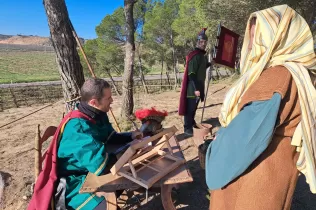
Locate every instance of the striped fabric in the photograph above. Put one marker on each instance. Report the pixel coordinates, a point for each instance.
(282, 37)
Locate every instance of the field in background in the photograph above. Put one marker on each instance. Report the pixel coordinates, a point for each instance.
(17, 66)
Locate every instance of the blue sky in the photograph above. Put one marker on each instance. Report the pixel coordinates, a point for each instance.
(28, 17)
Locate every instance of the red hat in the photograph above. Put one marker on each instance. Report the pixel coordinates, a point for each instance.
(146, 114)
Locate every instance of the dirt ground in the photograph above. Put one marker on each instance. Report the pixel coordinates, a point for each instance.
(17, 154)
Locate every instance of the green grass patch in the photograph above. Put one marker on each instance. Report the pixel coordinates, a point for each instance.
(27, 66)
(17, 67)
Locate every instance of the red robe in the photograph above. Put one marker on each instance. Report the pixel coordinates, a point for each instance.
(183, 94)
(46, 183)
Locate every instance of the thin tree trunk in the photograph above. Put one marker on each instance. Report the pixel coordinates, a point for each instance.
(174, 61)
(168, 79)
(142, 78)
(113, 82)
(178, 72)
(64, 43)
(161, 73)
(128, 101)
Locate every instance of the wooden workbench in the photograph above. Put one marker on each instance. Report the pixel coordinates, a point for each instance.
(112, 183)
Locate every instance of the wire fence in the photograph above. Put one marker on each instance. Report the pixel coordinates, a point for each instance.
(30, 94)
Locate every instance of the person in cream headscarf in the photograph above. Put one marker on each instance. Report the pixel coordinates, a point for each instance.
(268, 117)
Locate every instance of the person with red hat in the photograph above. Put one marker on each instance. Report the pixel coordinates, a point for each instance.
(193, 83)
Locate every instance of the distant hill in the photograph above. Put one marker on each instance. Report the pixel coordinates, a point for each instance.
(28, 40)
(4, 36)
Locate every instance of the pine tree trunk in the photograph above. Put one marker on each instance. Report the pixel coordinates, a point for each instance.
(64, 43)
(128, 101)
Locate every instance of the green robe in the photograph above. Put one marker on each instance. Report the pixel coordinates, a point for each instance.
(197, 74)
(82, 149)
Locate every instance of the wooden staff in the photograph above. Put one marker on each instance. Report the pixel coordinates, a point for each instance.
(81, 49)
(208, 84)
(117, 126)
(89, 66)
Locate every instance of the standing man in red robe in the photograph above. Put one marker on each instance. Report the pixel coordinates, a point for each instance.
(193, 83)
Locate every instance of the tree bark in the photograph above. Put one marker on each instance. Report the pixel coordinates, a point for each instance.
(128, 101)
(64, 43)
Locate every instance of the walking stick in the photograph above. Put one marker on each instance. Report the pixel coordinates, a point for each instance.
(90, 68)
(208, 84)
(81, 49)
(117, 126)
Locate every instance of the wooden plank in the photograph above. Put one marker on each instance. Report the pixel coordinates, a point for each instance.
(173, 129)
(161, 173)
(110, 182)
(145, 156)
(151, 167)
(163, 141)
(167, 170)
(138, 180)
(145, 165)
(165, 154)
(139, 159)
(169, 147)
(122, 161)
(158, 158)
(132, 169)
(142, 151)
(131, 150)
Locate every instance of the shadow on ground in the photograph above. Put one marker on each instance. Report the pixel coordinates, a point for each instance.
(303, 199)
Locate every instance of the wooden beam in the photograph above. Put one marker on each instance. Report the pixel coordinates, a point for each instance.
(132, 169)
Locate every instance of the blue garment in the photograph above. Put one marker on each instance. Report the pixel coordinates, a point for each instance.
(241, 142)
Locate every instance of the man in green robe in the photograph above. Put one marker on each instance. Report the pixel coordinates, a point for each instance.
(83, 145)
(194, 82)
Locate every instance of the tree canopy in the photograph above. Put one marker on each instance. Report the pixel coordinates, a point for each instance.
(166, 30)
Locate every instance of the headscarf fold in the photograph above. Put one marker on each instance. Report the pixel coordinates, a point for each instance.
(282, 37)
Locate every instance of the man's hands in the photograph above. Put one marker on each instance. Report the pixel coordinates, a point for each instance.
(137, 135)
(197, 93)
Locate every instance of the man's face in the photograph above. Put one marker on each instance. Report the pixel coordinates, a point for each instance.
(202, 44)
(105, 102)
